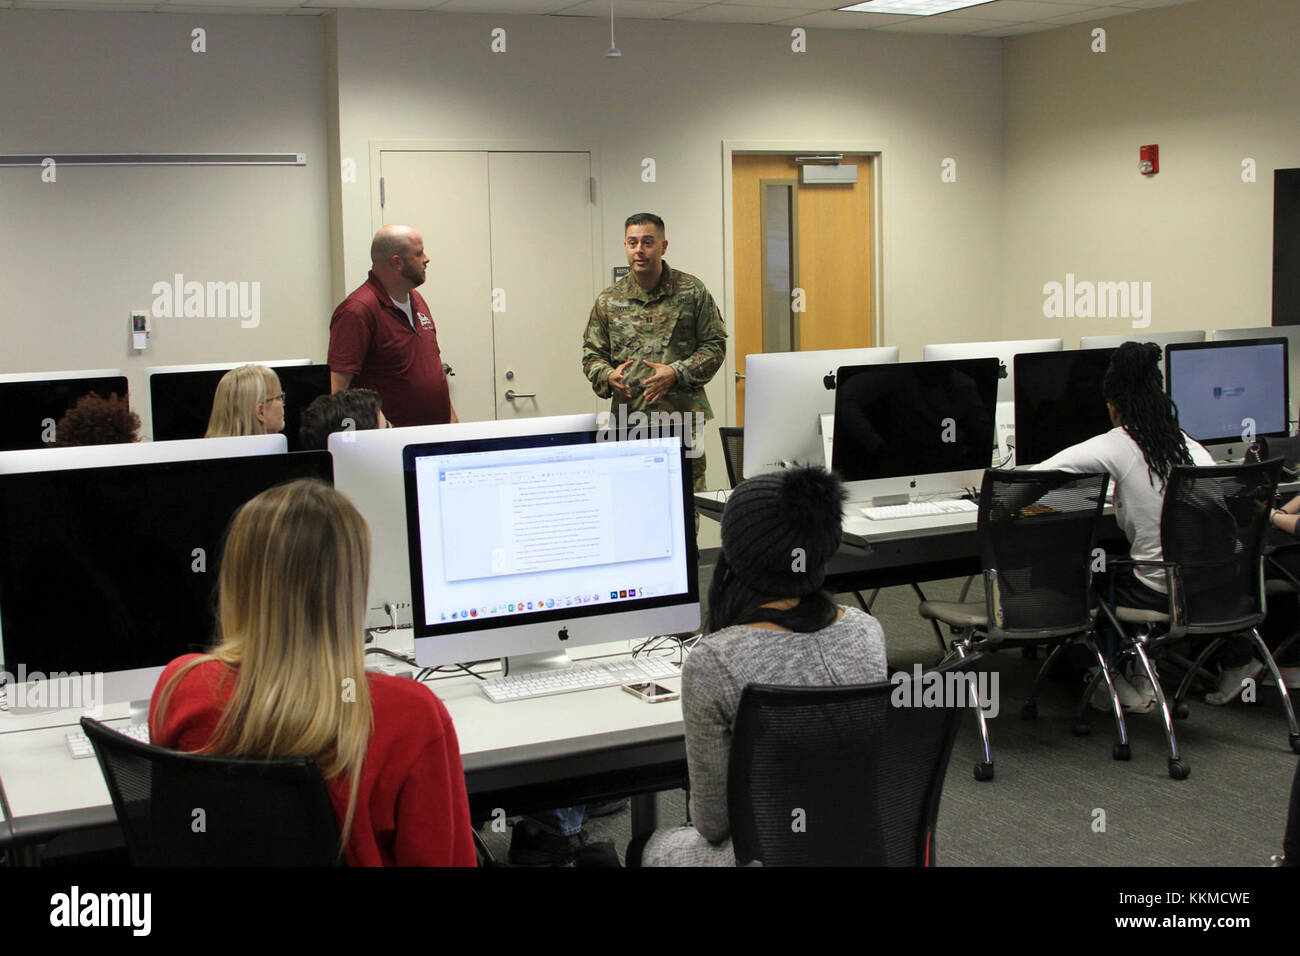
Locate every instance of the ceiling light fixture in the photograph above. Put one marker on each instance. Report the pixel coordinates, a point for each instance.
(613, 52)
(915, 8)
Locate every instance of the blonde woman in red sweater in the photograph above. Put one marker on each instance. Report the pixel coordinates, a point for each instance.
(288, 678)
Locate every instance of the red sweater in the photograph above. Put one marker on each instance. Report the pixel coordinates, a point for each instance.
(411, 806)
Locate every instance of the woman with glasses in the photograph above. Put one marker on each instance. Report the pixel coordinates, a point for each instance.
(249, 401)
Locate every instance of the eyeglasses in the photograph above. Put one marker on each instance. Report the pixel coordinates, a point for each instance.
(277, 398)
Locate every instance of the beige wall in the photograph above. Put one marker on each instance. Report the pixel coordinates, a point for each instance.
(678, 92)
(80, 253)
(1211, 83)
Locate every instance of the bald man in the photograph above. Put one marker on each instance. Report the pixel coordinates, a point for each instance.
(382, 335)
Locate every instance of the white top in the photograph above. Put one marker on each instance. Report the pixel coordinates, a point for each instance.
(405, 307)
(1138, 500)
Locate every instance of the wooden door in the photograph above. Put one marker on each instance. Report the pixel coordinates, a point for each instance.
(830, 243)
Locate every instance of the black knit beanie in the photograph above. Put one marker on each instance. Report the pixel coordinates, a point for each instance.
(780, 529)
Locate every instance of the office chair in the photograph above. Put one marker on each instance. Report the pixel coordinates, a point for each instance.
(733, 453)
(841, 776)
(1212, 529)
(179, 809)
(1037, 530)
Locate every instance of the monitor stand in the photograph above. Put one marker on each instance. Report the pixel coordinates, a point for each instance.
(140, 711)
(535, 663)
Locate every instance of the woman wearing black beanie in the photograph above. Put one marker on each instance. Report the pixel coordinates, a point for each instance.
(771, 623)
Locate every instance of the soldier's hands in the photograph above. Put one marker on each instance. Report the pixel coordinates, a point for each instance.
(616, 379)
(664, 378)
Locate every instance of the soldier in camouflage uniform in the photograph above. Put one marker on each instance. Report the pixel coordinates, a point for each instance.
(655, 338)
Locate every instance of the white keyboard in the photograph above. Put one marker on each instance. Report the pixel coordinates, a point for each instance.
(921, 509)
(587, 675)
(80, 747)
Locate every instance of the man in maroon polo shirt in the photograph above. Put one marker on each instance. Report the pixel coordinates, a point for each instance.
(382, 335)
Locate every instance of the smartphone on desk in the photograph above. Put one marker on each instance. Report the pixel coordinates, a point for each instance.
(650, 692)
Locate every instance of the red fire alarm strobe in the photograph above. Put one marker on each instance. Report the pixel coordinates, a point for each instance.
(1148, 160)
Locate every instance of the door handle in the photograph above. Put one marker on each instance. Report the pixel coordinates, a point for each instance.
(511, 394)
(740, 376)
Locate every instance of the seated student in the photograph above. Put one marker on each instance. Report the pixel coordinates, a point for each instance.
(97, 421)
(249, 401)
(288, 678)
(1139, 453)
(355, 409)
(771, 623)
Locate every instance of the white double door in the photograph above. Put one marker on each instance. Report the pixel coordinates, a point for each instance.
(512, 239)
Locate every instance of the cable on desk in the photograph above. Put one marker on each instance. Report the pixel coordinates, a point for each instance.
(387, 653)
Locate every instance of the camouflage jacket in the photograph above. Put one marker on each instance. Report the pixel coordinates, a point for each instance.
(676, 323)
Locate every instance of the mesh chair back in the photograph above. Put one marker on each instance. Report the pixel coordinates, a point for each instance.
(840, 776)
(733, 452)
(1037, 530)
(179, 809)
(1212, 528)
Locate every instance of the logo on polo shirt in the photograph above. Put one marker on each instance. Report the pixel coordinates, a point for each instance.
(425, 321)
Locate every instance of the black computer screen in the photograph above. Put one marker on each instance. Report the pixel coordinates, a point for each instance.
(110, 569)
(1226, 390)
(32, 408)
(181, 402)
(1059, 401)
(914, 418)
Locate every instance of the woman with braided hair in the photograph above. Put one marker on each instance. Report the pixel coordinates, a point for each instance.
(1140, 452)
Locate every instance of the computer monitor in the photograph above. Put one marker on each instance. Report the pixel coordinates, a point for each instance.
(112, 570)
(1159, 338)
(786, 395)
(1292, 334)
(1059, 401)
(1227, 391)
(138, 453)
(33, 402)
(180, 396)
(368, 469)
(1005, 352)
(525, 547)
(914, 429)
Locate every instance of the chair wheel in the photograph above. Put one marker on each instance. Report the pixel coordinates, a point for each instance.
(1029, 653)
(1029, 711)
(983, 771)
(1121, 752)
(1081, 728)
(1180, 710)
(1178, 770)
(1295, 743)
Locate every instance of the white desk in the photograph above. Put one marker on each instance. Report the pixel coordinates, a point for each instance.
(519, 756)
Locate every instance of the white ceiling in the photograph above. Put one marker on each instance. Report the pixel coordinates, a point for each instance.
(996, 18)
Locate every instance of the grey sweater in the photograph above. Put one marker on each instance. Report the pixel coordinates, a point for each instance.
(850, 651)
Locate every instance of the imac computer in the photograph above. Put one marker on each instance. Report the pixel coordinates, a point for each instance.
(138, 453)
(1059, 401)
(111, 571)
(524, 547)
(1227, 392)
(786, 393)
(368, 469)
(914, 429)
(33, 402)
(1004, 352)
(1292, 335)
(1159, 338)
(180, 396)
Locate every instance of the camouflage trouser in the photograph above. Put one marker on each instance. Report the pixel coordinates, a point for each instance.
(697, 472)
